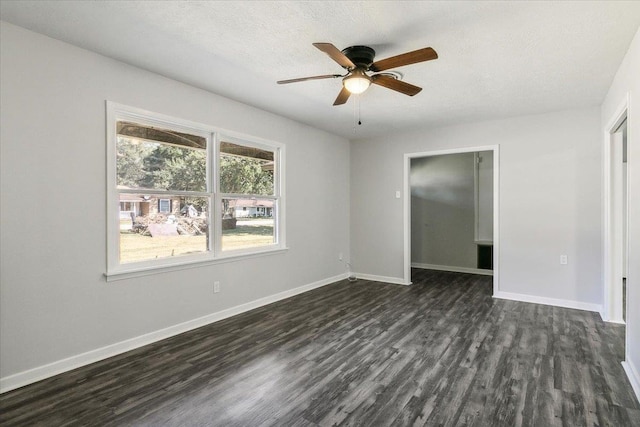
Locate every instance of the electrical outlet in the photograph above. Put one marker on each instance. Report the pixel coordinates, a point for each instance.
(340, 256)
(216, 287)
(564, 260)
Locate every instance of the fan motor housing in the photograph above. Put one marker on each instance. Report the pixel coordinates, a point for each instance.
(361, 56)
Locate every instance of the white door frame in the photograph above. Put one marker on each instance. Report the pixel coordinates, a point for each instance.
(496, 206)
(612, 230)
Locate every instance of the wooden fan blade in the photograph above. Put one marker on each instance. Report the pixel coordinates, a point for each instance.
(342, 96)
(394, 84)
(420, 55)
(335, 54)
(302, 79)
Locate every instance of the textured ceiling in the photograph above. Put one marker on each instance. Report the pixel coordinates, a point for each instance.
(497, 59)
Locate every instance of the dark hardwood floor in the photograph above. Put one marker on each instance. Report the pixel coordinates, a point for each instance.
(439, 352)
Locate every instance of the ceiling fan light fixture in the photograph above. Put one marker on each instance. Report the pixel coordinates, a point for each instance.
(356, 82)
(359, 60)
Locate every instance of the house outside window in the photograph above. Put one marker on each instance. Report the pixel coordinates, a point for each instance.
(169, 177)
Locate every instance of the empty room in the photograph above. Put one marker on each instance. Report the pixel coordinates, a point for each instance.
(336, 213)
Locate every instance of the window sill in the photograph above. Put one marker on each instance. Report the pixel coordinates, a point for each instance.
(132, 272)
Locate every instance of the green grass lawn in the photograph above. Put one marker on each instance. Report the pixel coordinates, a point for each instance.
(135, 247)
(244, 236)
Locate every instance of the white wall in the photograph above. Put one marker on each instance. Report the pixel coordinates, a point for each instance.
(550, 189)
(443, 211)
(627, 81)
(55, 302)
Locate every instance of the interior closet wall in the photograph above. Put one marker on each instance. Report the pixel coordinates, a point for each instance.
(443, 211)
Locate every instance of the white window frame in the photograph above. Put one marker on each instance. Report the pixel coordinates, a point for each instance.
(115, 270)
(278, 152)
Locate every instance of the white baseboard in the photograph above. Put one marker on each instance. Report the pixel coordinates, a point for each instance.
(452, 268)
(42, 372)
(633, 375)
(578, 305)
(604, 318)
(385, 279)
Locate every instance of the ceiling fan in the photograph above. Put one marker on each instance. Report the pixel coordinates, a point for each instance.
(358, 60)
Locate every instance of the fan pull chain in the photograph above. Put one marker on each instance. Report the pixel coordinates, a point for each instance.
(355, 114)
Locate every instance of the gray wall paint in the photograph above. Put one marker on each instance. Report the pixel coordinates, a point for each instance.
(485, 196)
(626, 83)
(55, 302)
(550, 200)
(442, 210)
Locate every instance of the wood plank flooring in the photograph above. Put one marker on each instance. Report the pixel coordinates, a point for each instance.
(441, 352)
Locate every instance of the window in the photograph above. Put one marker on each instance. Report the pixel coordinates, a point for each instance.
(247, 183)
(169, 177)
(164, 205)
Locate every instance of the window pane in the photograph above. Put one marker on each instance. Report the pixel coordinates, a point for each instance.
(247, 223)
(246, 170)
(152, 227)
(161, 159)
(164, 205)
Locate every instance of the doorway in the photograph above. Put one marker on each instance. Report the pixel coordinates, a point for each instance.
(616, 218)
(490, 153)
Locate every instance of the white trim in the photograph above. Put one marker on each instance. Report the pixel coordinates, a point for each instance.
(215, 232)
(633, 375)
(496, 206)
(609, 313)
(452, 268)
(578, 305)
(42, 372)
(384, 279)
(184, 265)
